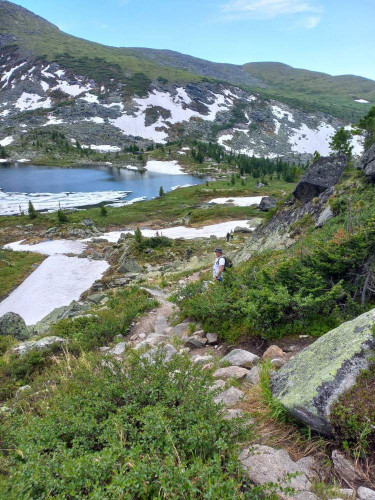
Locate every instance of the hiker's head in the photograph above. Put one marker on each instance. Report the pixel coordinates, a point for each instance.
(218, 252)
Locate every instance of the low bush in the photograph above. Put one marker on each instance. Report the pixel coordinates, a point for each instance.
(140, 431)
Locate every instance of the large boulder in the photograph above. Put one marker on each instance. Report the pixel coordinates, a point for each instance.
(12, 324)
(322, 174)
(64, 312)
(130, 266)
(309, 384)
(38, 345)
(368, 163)
(267, 203)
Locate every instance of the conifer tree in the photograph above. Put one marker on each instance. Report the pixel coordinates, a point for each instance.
(33, 214)
(161, 192)
(340, 142)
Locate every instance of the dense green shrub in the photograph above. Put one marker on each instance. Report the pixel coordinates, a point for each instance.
(154, 242)
(141, 431)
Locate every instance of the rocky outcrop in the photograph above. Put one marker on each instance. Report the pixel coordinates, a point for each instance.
(12, 324)
(322, 175)
(368, 163)
(64, 312)
(311, 382)
(38, 345)
(266, 203)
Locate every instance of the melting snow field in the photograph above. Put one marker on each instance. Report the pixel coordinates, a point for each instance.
(10, 203)
(164, 167)
(245, 201)
(55, 283)
(220, 230)
(51, 247)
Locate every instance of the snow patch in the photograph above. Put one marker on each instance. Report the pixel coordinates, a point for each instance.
(307, 140)
(90, 98)
(51, 247)
(44, 85)
(363, 101)
(7, 75)
(94, 119)
(239, 201)
(53, 121)
(28, 102)
(164, 167)
(281, 113)
(8, 140)
(71, 89)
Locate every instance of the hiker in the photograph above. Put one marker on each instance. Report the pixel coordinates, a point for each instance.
(219, 265)
(228, 237)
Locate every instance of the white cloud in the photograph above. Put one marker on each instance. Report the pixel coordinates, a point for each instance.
(310, 22)
(267, 9)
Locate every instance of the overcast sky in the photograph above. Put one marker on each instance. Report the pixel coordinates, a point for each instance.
(332, 36)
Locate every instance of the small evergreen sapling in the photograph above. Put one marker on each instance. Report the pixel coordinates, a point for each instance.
(161, 192)
(33, 214)
(103, 210)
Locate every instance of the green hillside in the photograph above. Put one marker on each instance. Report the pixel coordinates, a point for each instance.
(36, 37)
(312, 90)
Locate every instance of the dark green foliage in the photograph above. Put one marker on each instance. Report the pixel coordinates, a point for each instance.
(340, 142)
(61, 216)
(3, 153)
(138, 430)
(103, 210)
(367, 124)
(138, 236)
(138, 84)
(33, 214)
(161, 192)
(154, 242)
(274, 294)
(353, 416)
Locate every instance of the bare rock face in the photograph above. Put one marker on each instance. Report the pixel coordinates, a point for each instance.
(368, 163)
(268, 465)
(322, 174)
(309, 384)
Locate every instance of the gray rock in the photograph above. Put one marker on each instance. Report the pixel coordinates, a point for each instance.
(152, 341)
(242, 229)
(231, 372)
(278, 362)
(368, 163)
(312, 381)
(345, 469)
(182, 328)
(130, 266)
(218, 384)
(22, 390)
(324, 216)
(266, 203)
(201, 360)
(321, 175)
(119, 349)
(87, 222)
(365, 493)
(212, 338)
(38, 345)
(347, 492)
(12, 324)
(70, 311)
(96, 298)
(231, 413)
(268, 465)
(253, 377)
(240, 357)
(305, 495)
(230, 397)
(195, 342)
(167, 351)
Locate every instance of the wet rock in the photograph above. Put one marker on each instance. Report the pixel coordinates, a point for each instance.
(12, 324)
(267, 203)
(321, 175)
(38, 345)
(230, 397)
(231, 372)
(268, 465)
(310, 383)
(240, 357)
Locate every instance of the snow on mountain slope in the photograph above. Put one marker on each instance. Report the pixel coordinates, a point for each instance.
(37, 94)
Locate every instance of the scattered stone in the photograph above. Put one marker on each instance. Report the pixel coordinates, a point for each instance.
(231, 372)
(308, 385)
(345, 468)
(268, 465)
(218, 384)
(13, 324)
(365, 493)
(253, 377)
(195, 342)
(96, 298)
(104, 349)
(87, 222)
(167, 351)
(324, 216)
(230, 397)
(151, 341)
(267, 203)
(200, 360)
(240, 357)
(278, 362)
(242, 229)
(260, 185)
(233, 413)
(212, 338)
(38, 345)
(182, 328)
(119, 349)
(273, 352)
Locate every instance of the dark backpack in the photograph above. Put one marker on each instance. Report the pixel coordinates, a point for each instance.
(228, 263)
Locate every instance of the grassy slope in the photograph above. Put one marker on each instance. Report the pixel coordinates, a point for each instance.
(45, 40)
(14, 267)
(315, 91)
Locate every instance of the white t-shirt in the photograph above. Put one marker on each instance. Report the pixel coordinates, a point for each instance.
(220, 261)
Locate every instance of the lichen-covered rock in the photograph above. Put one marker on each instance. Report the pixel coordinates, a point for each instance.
(64, 312)
(130, 266)
(322, 174)
(38, 345)
(12, 324)
(368, 163)
(311, 382)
